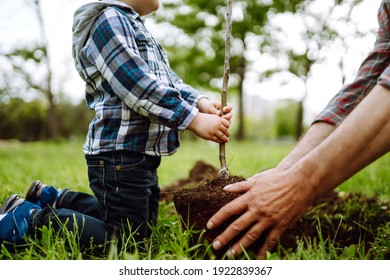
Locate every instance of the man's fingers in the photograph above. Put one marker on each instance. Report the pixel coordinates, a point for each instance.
(235, 228)
(270, 242)
(248, 239)
(233, 208)
(239, 187)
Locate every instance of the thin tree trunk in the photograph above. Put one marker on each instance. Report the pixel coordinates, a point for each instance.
(52, 116)
(223, 172)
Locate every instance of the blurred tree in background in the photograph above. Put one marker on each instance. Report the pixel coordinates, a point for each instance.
(26, 120)
(22, 120)
(32, 66)
(321, 26)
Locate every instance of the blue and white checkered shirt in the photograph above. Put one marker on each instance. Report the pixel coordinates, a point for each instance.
(140, 103)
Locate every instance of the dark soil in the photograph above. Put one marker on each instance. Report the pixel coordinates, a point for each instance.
(343, 220)
(197, 174)
(197, 205)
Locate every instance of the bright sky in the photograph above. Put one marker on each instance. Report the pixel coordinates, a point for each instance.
(19, 28)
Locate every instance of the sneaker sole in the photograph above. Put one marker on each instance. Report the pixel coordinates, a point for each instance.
(12, 202)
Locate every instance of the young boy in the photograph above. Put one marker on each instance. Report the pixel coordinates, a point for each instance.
(140, 105)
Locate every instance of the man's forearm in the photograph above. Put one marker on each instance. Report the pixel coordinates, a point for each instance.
(363, 137)
(317, 133)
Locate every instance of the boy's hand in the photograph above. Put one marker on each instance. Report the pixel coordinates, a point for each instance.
(210, 127)
(213, 107)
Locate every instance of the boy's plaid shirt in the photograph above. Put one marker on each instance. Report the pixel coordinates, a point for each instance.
(140, 103)
(374, 70)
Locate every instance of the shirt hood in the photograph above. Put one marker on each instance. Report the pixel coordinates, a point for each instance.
(83, 19)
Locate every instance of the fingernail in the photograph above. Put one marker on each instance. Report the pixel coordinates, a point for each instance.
(228, 187)
(231, 253)
(216, 245)
(210, 225)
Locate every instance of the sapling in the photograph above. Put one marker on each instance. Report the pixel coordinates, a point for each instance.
(223, 172)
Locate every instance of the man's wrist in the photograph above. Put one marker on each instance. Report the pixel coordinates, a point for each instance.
(307, 180)
(284, 165)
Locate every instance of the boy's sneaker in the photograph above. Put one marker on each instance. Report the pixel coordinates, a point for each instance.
(42, 194)
(14, 215)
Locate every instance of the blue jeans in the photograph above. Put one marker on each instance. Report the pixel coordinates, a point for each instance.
(126, 200)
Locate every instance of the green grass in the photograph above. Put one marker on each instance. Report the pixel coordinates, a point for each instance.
(62, 164)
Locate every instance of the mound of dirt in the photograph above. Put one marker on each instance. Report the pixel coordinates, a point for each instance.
(197, 174)
(343, 219)
(197, 205)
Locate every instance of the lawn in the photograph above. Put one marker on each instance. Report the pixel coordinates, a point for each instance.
(62, 164)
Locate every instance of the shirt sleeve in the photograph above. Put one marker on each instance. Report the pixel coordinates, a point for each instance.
(116, 55)
(374, 70)
(384, 40)
(189, 94)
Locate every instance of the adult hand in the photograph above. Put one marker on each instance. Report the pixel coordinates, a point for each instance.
(271, 202)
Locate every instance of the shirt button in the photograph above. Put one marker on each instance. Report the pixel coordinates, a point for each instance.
(118, 167)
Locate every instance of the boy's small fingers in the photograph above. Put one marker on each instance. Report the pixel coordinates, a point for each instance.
(225, 123)
(224, 131)
(227, 108)
(215, 139)
(222, 137)
(214, 112)
(228, 117)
